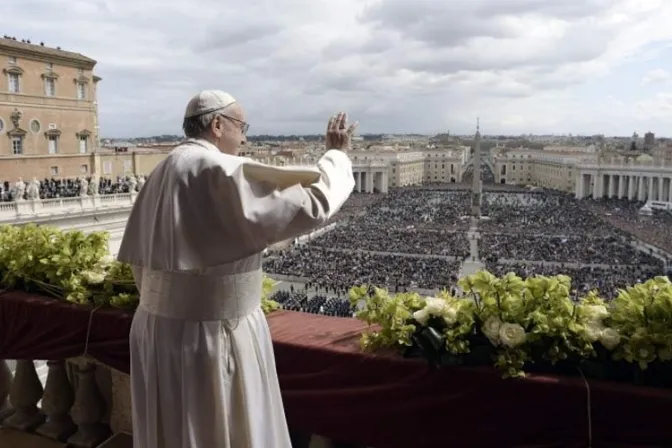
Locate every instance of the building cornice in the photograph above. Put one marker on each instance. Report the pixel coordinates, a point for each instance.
(52, 133)
(45, 54)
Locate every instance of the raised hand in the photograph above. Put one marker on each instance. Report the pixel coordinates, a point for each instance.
(339, 135)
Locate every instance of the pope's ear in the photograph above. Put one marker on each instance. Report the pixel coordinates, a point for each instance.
(217, 125)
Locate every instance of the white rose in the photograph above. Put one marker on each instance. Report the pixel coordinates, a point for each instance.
(450, 315)
(422, 316)
(594, 331)
(93, 277)
(435, 307)
(596, 312)
(491, 329)
(106, 260)
(610, 338)
(512, 335)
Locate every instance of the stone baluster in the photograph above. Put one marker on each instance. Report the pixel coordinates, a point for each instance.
(88, 410)
(57, 400)
(5, 384)
(24, 394)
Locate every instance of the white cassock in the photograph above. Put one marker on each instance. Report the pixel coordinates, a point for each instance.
(202, 365)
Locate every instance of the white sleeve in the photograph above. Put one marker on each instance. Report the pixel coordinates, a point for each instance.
(266, 214)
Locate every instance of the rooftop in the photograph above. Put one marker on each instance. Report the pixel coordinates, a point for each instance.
(26, 47)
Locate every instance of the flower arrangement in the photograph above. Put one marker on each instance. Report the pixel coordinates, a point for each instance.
(519, 324)
(73, 266)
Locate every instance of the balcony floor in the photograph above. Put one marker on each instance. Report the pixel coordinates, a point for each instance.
(17, 439)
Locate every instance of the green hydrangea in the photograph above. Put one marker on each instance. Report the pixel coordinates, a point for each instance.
(73, 266)
(525, 321)
(642, 315)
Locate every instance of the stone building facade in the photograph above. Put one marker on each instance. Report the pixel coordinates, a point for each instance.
(48, 111)
(585, 172)
(413, 167)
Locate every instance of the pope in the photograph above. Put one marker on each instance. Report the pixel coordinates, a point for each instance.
(202, 365)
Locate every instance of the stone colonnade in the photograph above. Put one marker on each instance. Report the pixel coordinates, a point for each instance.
(370, 180)
(641, 186)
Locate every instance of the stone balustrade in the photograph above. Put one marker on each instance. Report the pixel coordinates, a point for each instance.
(82, 403)
(28, 210)
(655, 165)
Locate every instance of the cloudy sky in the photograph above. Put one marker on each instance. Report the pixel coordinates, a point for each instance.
(523, 66)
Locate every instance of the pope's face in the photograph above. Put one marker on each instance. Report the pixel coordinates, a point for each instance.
(229, 129)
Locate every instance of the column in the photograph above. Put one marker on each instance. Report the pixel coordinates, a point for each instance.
(661, 195)
(612, 185)
(579, 187)
(358, 181)
(641, 191)
(369, 182)
(631, 187)
(597, 186)
(621, 186)
(669, 194)
(384, 183)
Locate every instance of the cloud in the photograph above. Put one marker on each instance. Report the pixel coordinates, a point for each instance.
(656, 76)
(660, 105)
(395, 65)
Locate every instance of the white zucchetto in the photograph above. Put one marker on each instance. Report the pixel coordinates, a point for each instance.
(208, 101)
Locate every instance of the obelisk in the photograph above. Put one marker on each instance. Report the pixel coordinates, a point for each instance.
(477, 187)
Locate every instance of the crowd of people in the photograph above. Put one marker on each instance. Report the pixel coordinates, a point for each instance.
(315, 304)
(539, 212)
(356, 204)
(406, 241)
(624, 215)
(487, 176)
(52, 188)
(610, 250)
(338, 271)
(417, 237)
(415, 208)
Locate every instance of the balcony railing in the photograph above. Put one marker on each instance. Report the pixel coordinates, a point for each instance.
(71, 406)
(328, 387)
(80, 401)
(43, 208)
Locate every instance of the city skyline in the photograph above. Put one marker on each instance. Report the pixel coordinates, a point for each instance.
(581, 67)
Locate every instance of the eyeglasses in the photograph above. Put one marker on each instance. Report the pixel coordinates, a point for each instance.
(243, 125)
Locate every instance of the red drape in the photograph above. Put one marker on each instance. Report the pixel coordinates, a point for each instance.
(330, 388)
